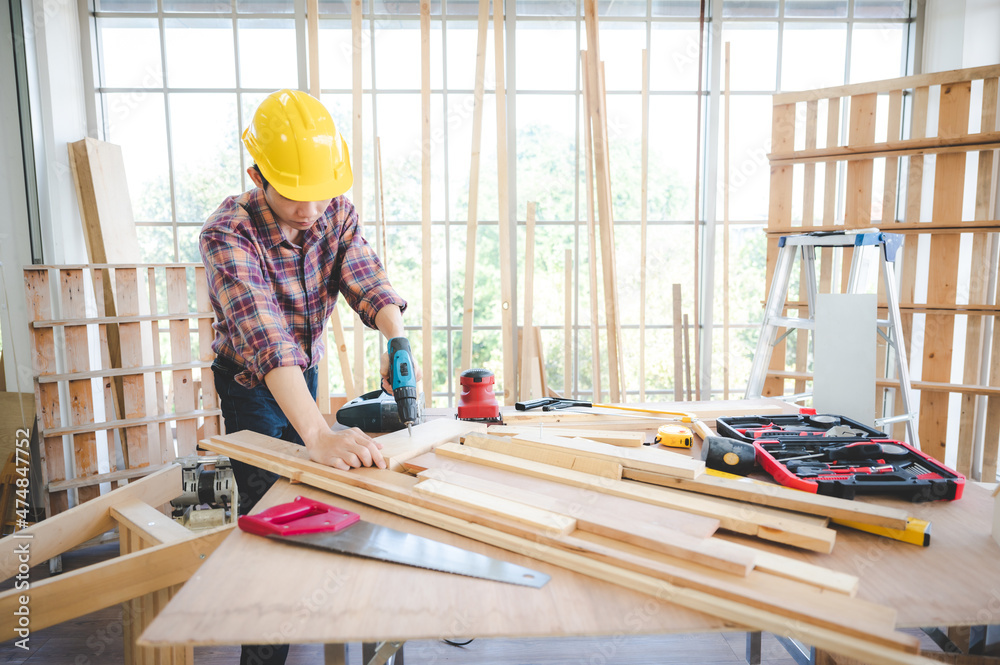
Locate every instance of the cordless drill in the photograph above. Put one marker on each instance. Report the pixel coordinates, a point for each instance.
(404, 383)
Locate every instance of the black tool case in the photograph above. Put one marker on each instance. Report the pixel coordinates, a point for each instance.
(836, 456)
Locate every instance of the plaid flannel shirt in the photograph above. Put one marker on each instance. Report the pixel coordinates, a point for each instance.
(272, 298)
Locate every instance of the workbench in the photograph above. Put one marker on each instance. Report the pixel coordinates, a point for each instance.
(304, 596)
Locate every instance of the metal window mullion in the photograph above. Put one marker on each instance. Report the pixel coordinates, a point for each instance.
(850, 41)
(781, 44)
(169, 131)
(301, 51)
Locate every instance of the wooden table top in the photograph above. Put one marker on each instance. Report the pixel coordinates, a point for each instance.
(252, 590)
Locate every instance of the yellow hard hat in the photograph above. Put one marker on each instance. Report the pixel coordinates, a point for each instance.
(297, 147)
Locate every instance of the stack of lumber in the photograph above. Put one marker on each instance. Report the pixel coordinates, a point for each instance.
(574, 511)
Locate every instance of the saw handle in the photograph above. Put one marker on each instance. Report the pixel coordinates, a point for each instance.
(297, 517)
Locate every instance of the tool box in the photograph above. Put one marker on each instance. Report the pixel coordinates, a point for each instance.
(836, 456)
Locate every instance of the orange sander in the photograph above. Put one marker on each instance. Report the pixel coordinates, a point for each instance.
(477, 401)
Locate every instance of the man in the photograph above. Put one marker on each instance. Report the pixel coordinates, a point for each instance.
(276, 259)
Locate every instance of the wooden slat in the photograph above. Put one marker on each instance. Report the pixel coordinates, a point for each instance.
(530, 379)
(357, 188)
(538, 518)
(760, 522)
(503, 212)
(809, 172)
(182, 381)
(648, 459)
(161, 400)
(678, 328)
(81, 394)
(887, 85)
(712, 552)
(566, 460)
(892, 163)
(643, 207)
(830, 170)
(625, 439)
(568, 291)
(153, 527)
(472, 219)
(137, 439)
(858, 204)
(398, 447)
(949, 179)
(869, 150)
(595, 343)
(206, 335)
(598, 122)
(43, 360)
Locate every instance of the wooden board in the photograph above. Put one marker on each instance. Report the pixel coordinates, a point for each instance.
(623, 439)
(761, 522)
(566, 460)
(509, 379)
(182, 381)
(646, 459)
(427, 357)
(595, 329)
(397, 447)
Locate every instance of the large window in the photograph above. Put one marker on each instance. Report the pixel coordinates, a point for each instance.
(177, 80)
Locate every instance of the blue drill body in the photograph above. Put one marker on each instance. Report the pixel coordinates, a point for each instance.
(404, 381)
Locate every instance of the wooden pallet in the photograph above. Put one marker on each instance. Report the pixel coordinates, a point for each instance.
(168, 390)
(952, 119)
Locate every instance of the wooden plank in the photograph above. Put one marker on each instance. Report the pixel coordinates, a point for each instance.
(530, 379)
(985, 199)
(888, 85)
(624, 439)
(134, 393)
(130, 422)
(425, 201)
(472, 218)
(712, 552)
(400, 446)
(79, 592)
(889, 149)
(949, 179)
(678, 345)
(725, 226)
(112, 386)
(689, 396)
(538, 518)
(165, 434)
(566, 460)
(506, 278)
(182, 382)
(775, 496)
(646, 459)
(808, 218)
(110, 477)
(206, 335)
(81, 395)
(643, 208)
(830, 170)
(861, 128)
(595, 327)
(568, 292)
(557, 496)
(870, 626)
(760, 523)
(598, 123)
(60, 532)
(891, 179)
(152, 526)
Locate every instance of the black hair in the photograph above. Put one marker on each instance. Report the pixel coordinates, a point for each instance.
(262, 178)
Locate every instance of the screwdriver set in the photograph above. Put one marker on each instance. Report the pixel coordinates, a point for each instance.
(837, 456)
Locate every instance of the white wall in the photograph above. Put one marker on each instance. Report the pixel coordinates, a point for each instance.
(961, 33)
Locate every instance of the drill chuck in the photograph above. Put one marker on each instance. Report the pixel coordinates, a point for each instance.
(404, 382)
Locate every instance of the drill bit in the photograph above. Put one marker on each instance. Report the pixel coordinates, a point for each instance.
(409, 428)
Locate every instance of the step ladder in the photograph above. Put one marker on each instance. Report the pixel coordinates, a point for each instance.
(865, 242)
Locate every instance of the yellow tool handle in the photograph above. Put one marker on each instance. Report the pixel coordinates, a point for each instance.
(685, 417)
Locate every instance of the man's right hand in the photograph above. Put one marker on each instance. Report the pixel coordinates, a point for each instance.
(345, 449)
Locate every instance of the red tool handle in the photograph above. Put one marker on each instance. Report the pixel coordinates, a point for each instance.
(296, 517)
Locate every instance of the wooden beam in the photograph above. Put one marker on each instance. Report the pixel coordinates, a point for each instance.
(595, 312)
(776, 496)
(761, 522)
(79, 592)
(472, 220)
(598, 122)
(65, 530)
(725, 231)
(427, 262)
(624, 439)
(678, 325)
(648, 459)
(566, 460)
(643, 209)
(568, 291)
(152, 526)
(357, 189)
(506, 276)
(530, 383)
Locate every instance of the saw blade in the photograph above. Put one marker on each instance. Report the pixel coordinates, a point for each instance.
(373, 541)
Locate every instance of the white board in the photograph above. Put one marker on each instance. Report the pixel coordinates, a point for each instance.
(844, 355)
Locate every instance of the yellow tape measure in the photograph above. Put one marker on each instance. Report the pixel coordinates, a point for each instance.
(674, 436)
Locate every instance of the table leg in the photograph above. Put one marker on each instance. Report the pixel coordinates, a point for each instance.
(335, 654)
(753, 648)
(382, 653)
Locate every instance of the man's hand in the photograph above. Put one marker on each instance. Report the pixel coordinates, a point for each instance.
(345, 449)
(387, 380)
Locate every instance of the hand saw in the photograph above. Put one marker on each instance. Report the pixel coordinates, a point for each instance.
(322, 526)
